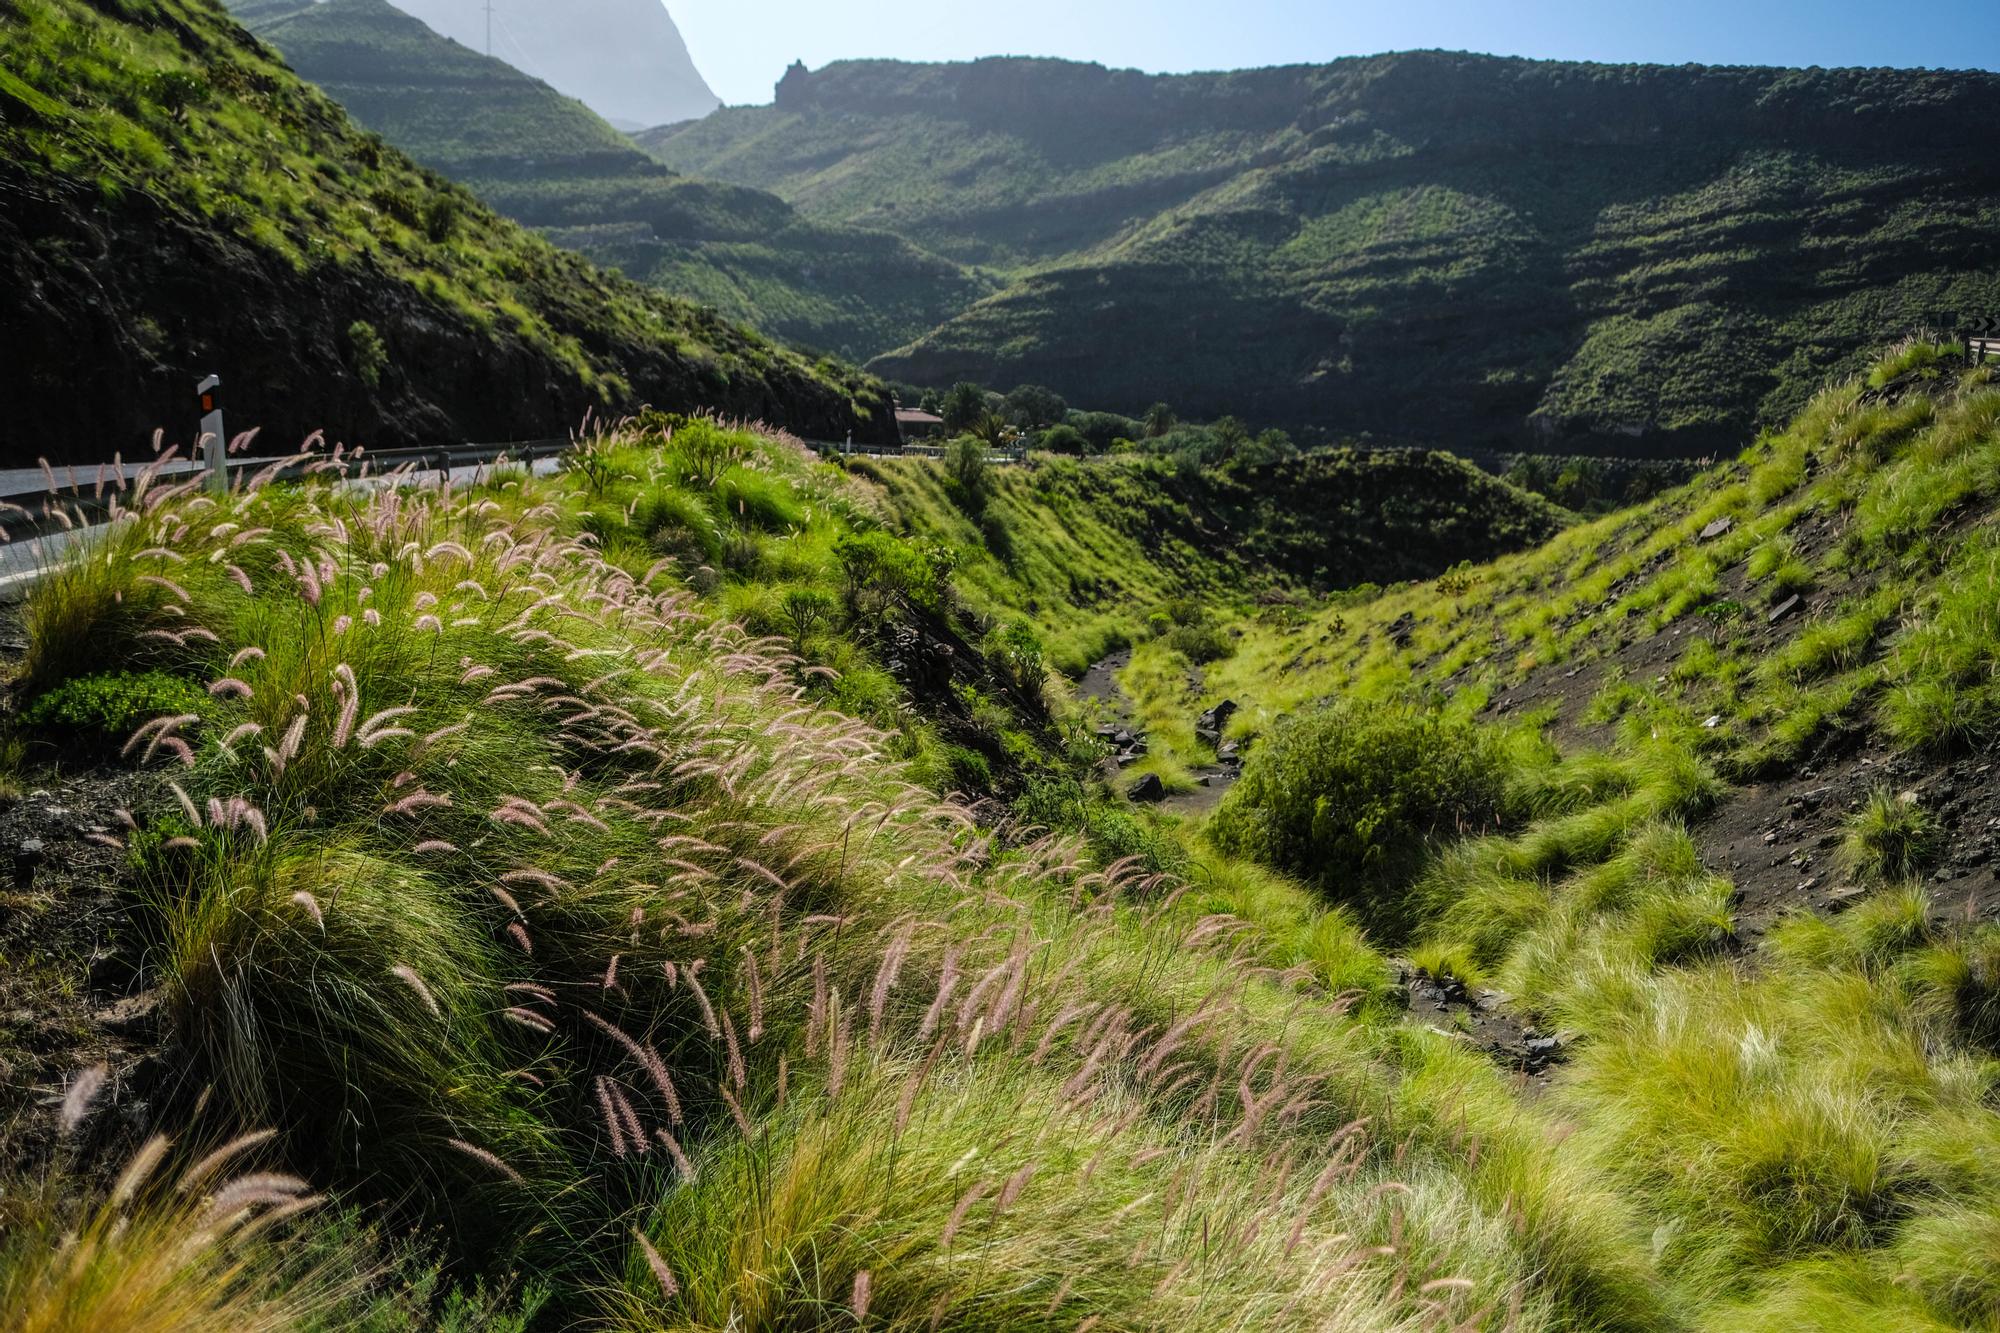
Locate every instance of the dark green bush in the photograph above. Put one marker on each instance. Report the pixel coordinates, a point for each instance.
(104, 710)
(884, 569)
(1065, 440)
(371, 354)
(439, 216)
(964, 770)
(1102, 429)
(1354, 799)
(970, 475)
(1201, 643)
(1064, 805)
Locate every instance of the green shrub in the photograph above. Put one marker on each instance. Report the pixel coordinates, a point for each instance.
(371, 355)
(1353, 799)
(884, 568)
(1065, 440)
(971, 475)
(1020, 650)
(1058, 804)
(439, 217)
(1201, 643)
(1117, 835)
(1891, 838)
(105, 709)
(805, 610)
(700, 449)
(966, 770)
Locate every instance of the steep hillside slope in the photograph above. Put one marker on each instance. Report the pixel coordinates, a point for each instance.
(1438, 247)
(1815, 621)
(177, 201)
(550, 162)
(483, 855)
(1087, 552)
(537, 734)
(468, 858)
(623, 58)
(1697, 803)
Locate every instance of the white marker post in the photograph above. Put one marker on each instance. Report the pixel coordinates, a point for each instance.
(214, 442)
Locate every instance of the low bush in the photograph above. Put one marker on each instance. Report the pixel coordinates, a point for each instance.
(371, 354)
(1200, 644)
(1892, 837)
(104, 710)
(1065, 440)
(1354, 800)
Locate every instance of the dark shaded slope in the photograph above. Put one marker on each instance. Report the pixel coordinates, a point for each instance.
(176, 201)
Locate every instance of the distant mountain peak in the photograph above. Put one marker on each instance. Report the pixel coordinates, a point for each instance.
(624, 59)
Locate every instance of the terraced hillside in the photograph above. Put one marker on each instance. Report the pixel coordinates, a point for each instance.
(178, 201)
(550, 163)
(1451, 249)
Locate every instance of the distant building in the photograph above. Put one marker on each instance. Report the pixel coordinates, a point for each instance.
(915, 425)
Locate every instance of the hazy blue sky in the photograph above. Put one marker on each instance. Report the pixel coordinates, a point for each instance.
(743, 46)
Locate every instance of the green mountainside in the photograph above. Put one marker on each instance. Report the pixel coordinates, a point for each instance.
(550, 162)
(177, 200)
(1456, 249)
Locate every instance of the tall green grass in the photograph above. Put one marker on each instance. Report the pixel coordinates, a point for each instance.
(526, 894)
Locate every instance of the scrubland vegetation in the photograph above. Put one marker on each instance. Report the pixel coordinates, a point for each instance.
(589, 881)
(164, 98)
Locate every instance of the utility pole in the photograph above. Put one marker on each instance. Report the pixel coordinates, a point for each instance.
(489, 28)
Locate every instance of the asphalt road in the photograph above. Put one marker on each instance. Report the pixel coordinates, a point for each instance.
(18, 481)
(24, 561)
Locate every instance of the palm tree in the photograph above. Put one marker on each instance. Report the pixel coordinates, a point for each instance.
(1160, 419)
(991, 429)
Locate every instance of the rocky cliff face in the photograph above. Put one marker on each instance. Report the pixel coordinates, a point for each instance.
(624, 59)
